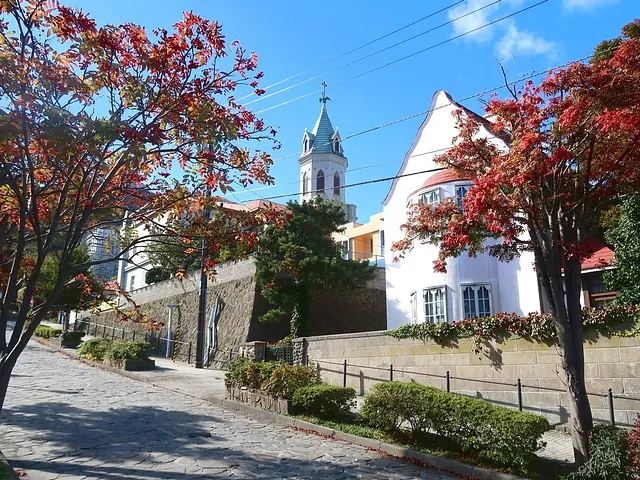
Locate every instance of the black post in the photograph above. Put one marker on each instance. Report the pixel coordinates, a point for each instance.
(123, 333)
(104, 332)
(519, 385)
(202, 306)
(158, 345)
(113, 333)
(391, 373)
(189, 354)
(146, 336)
(344, 374)
(448, 381)
(612, 416)
(134, 335)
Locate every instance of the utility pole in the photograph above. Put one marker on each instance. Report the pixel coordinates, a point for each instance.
(202, 303)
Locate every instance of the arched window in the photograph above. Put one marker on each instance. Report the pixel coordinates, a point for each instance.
(320, 182)
(336, 145)
(305, 144)
(336, 184)
(305, 183)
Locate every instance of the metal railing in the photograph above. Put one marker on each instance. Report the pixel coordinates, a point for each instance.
(448, 378)
(158, 344)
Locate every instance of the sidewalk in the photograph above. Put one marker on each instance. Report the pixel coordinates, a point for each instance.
(208, 384)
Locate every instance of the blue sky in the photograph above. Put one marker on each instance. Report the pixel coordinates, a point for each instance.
(290, 37)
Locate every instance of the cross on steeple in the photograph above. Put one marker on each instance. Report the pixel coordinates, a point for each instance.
(324, 98)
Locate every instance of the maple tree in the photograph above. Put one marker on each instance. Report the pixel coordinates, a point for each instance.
(99, 123)
(573, 151)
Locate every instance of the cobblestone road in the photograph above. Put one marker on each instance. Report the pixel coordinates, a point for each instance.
(66, 420)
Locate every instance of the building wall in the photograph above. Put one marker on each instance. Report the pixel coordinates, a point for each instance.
(513, 285)
(609, 363)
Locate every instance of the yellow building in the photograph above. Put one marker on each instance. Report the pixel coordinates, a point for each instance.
(364, 241)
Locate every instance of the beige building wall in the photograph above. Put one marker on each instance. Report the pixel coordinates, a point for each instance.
(492, 375)
(364, 240)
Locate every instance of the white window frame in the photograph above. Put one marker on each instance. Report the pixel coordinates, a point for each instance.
(132, 283)
(435, 317)
(475, 301)
(413, 307)
(431, 191)
(458, 199)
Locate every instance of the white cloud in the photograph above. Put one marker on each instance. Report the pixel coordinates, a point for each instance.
(586, 4)
(517, 42)
(473, 20)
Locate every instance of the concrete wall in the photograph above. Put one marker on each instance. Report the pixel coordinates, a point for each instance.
(610, 363)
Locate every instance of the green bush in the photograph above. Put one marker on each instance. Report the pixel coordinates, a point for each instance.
(95, 349)
(44, 331)
(495, 433)
(633, 439)
(233, 377)
(129, 349)
(324, 401)
(608, 458)
(286, 379)
(72, 339)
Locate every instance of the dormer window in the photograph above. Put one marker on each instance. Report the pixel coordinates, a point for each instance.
(336, 145)
(305, 145)
(432, 197)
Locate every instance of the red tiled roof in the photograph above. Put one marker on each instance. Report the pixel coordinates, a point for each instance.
(444, 176)
(602, 255)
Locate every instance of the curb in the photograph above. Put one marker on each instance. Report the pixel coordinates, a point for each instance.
(4, 465)
(413, 456)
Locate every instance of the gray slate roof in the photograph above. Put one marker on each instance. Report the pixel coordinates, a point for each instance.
(321, 137)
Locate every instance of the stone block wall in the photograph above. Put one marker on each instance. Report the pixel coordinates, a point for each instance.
(234, 283)
(492, 375)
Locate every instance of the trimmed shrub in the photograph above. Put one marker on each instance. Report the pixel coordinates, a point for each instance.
(633, 440)
(608, 457)
(233, 377)
(44, 331)
(246, 373)
(95, 349)
(286, 379)
(129, 349)
(495, 433)
(324, 401)
(72, 339)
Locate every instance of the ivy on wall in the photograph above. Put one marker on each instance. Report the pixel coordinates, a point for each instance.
(621, 321)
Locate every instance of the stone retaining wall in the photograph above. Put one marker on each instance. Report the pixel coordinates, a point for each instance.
(609, 363)
(234, 283)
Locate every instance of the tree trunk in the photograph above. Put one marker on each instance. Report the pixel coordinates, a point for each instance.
(6, 367)
(300, 314)
(571, 343)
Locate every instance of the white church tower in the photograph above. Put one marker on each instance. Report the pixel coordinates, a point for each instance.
(322, 164)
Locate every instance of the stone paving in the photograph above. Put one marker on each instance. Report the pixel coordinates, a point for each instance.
(64, 420)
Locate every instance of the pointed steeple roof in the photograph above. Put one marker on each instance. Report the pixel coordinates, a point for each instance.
(322, 133)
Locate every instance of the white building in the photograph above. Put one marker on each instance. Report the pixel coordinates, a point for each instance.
(472, 286)
(323, 164)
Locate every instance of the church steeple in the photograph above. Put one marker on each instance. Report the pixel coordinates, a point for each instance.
(323, 164)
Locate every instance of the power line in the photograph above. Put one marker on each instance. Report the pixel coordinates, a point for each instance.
(264, 97)
(420, 154)
(365, 182)
(431, 47)
(358, 48)
(464, 99)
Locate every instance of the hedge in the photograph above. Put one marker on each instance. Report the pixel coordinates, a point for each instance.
(44, 331)
(324, 401)
(95, 348)
(495, 433)
(129, 349)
